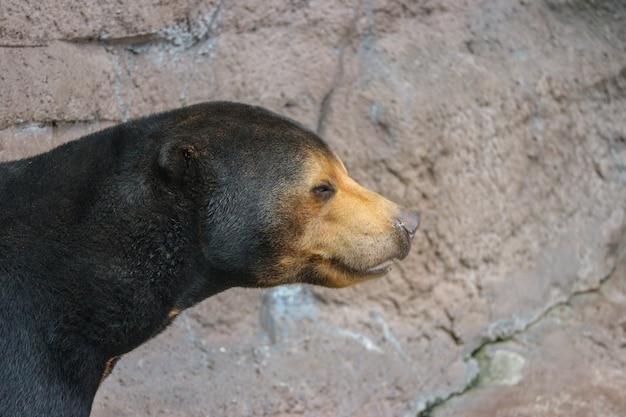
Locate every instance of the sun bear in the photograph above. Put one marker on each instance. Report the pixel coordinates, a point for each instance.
(104, 240)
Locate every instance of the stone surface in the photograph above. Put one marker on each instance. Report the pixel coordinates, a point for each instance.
(503, 121)
(570, 364)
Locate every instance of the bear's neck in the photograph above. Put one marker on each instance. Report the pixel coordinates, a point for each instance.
(136, 248)
(150, 270)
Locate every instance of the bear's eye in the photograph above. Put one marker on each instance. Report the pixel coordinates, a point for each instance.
(324, 190)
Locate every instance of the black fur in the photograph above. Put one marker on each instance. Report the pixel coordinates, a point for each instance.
(102, 237)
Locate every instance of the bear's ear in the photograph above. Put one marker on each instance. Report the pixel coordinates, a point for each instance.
(176, 157)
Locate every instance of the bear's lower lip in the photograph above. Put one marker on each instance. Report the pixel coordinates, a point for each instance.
(380, 269)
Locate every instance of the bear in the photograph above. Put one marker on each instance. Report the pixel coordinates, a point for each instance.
(105, 239)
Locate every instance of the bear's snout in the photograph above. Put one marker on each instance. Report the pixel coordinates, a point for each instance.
(352, 235)
(407, 221)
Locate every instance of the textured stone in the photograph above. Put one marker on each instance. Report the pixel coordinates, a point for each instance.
(503, 121)
(28, 23)
(58, 83)
(574, 363)
(30, 139)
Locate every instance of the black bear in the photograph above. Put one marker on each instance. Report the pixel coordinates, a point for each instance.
(105, 239)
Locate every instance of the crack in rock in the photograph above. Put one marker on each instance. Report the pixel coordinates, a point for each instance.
(18, 46)
(478, 352)
(140, 39)
(184, 33)
(122, 105)
(337, 78)
(56, 123)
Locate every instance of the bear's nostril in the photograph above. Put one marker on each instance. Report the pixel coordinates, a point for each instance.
(409, 220)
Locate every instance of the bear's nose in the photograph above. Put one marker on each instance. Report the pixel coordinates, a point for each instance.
(408, 220)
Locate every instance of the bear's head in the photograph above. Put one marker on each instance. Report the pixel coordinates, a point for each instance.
(278, 205)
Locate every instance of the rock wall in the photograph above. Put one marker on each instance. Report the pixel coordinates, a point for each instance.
(503, 121)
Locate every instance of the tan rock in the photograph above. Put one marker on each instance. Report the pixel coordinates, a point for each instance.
(503, 121)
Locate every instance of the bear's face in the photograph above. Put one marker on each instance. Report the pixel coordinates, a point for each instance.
(348, 234)
(281, 207)
(284, 209)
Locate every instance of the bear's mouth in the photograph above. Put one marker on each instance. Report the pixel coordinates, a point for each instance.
(380, 269)
(377, 270)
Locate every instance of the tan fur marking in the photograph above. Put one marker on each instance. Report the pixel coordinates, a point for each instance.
(351, 232)
(335, 240)
(173, 313)
(108, 368)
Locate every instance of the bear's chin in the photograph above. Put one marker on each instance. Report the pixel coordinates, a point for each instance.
(335, 274)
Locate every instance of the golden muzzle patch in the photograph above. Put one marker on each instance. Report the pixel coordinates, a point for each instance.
(352, 234)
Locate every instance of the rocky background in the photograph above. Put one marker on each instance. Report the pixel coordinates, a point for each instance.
(504, 121)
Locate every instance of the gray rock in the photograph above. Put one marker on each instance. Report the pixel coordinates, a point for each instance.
(504, 121)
